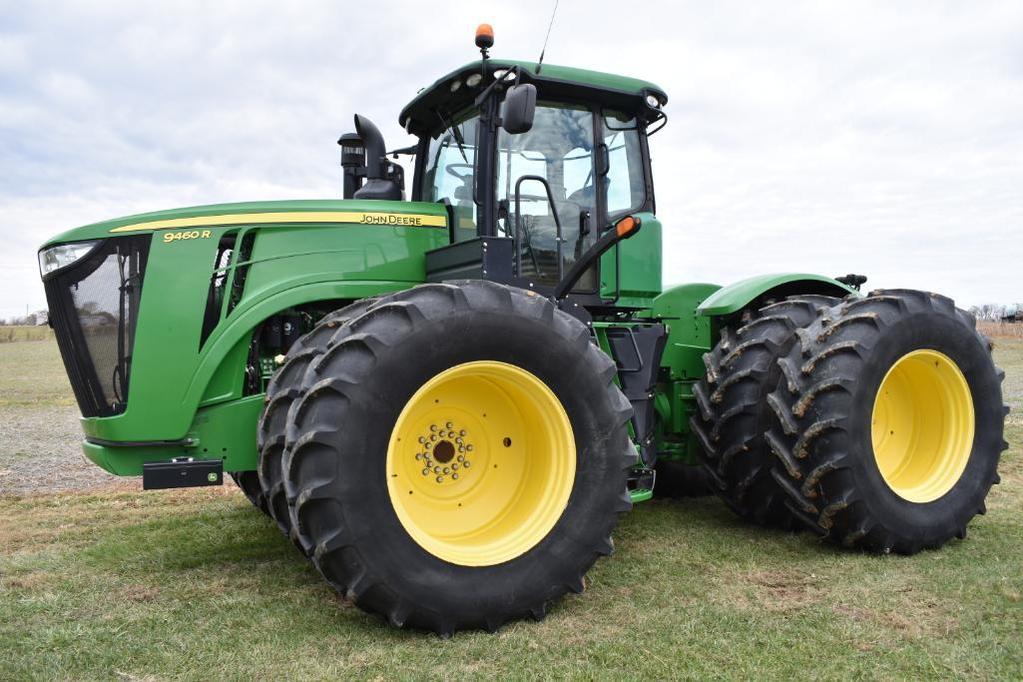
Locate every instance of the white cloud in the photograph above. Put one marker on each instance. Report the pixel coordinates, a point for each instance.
(884, 138)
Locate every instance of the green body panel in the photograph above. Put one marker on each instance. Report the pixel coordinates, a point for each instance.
(632, 268)
(689, 336)
(226, 431)
(290, 264)
(735, 297)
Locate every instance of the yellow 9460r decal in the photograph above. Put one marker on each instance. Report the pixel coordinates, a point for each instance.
(169, 237)
(357, 217)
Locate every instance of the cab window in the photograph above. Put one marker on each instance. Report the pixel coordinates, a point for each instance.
(626, 184)
(450, 172)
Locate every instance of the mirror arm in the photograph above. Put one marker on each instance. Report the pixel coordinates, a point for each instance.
(606, 241)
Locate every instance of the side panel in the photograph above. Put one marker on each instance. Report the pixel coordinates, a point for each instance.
(632, 268)
(689, 337)
(737, 296)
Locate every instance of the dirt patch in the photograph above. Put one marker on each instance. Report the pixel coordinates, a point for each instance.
(913, 618)
(140, 593)
(782, 590)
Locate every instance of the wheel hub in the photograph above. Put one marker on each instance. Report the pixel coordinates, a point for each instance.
(481, 463)
(445, 451)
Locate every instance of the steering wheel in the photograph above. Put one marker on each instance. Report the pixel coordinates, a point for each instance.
(450, 168)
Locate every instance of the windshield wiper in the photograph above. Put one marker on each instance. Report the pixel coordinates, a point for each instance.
(456, 133)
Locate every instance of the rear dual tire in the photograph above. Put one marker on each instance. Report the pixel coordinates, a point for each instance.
(732, 412)
(888, 422)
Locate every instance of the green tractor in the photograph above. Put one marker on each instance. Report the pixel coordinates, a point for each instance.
(447, 402)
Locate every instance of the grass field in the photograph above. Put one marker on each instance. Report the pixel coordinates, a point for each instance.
(119, 584)
(10, 334)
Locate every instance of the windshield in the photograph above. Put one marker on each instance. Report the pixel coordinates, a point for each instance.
(558, 149)
(449, 174)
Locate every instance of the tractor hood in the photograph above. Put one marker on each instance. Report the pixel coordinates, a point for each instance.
(256, 212)
(155, 314)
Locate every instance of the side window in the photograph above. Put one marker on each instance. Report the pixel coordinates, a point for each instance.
(450, 169)
(626, 186)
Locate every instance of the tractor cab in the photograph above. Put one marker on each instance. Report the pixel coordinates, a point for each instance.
(533, 164)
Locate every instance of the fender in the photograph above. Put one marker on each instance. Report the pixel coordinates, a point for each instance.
(734, 297)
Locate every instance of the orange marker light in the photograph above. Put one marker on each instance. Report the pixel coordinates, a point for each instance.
(626, 226)
(484, 36)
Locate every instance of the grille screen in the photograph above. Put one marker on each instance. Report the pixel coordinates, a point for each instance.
(94, 308)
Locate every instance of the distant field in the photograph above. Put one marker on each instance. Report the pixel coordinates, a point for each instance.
(115, 583)
(20, 333)
(1007, 330)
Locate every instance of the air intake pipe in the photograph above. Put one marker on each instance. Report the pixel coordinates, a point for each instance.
(373, 141)
(381, 180)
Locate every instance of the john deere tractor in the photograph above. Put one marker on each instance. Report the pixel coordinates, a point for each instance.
(446, 402)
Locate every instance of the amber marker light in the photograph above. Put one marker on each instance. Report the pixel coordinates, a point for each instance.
(484, 36)
(626, 226)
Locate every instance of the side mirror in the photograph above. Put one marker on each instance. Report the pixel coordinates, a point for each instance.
(519, 107)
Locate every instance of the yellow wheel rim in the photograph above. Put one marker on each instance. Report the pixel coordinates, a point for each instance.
(481, 463)
(923, 425)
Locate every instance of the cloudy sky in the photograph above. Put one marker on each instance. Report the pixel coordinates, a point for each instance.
(883, 138)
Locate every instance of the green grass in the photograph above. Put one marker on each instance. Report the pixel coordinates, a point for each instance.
(14, 333)
(32, 374)
(196, 584)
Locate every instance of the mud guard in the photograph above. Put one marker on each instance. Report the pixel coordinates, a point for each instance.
(736, 296)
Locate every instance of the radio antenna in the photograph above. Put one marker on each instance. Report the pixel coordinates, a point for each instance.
(539, 63)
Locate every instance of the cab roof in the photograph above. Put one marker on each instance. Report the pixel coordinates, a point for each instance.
(622, 92)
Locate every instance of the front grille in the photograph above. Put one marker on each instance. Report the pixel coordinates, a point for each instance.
(94, 306)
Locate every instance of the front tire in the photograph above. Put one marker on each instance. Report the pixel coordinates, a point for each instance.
(888, 422)
(280, 394)
(377, 430)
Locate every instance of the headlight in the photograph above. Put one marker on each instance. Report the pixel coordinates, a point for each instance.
(62, 255)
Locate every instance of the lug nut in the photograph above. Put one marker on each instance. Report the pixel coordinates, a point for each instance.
(433, 436)
(422, 440)
(433, 427)
(461, 457)
(469, 447)
(462, 432)
(454, 476)
(436, 470)
(419, 455)
(466, 464)
(440, 479)
(426, 471)
(454, 467)
(449, 425)
(446, 470)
